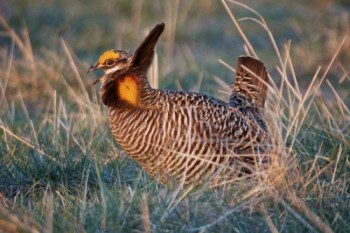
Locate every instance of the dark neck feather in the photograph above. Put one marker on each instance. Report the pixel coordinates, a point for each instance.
(109, 93)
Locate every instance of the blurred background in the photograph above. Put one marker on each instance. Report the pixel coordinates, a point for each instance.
(197, 34)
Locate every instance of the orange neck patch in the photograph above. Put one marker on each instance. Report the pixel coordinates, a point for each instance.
(128, 90)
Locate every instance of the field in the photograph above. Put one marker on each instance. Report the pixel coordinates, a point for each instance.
(62, 171)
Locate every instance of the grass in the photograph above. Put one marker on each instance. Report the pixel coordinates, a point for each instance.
(61, 171)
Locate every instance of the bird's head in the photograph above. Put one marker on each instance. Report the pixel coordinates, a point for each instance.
(112, 61)
(125, 75)
(117, 61)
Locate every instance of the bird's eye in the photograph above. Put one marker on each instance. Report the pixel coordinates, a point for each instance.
(110, 62)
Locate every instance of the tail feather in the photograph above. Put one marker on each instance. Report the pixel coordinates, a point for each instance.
(250, 85)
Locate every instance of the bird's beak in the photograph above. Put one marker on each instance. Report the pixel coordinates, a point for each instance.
(96, 66)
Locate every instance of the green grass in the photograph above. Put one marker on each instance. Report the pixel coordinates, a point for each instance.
(61, 171)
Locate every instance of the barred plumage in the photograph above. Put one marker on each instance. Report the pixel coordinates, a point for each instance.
(181, 135)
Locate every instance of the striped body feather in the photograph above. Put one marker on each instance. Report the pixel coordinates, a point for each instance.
(181, 135)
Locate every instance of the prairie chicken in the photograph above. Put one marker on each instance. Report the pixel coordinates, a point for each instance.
(183, 136)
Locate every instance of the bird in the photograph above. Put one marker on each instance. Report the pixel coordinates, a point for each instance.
(179, 136)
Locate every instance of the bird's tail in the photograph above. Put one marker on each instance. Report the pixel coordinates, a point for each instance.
(250, 85)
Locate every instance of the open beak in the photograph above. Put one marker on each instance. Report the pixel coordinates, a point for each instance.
(96, 66)
(97, 81)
